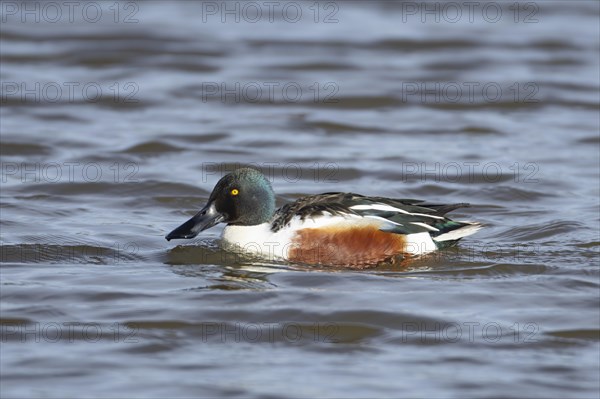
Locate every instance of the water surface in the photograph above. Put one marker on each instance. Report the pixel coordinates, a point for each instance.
(129, 124)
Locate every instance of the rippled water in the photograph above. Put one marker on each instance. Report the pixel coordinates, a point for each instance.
(113, 133)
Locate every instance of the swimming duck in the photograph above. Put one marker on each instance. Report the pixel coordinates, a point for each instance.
(334, 229)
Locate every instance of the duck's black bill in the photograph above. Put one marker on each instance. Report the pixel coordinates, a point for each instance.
(205, 219)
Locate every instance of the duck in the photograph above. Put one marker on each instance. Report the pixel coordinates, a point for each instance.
(337, 229)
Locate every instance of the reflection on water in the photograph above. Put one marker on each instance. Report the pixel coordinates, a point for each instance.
(115, 130)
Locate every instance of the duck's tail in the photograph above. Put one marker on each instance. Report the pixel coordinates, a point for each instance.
(464, 229)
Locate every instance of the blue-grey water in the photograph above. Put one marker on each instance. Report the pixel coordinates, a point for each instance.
(117, 118)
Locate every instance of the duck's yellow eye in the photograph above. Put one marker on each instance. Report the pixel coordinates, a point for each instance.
(235, 191)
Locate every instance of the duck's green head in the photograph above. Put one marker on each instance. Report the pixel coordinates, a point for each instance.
(243, 197)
